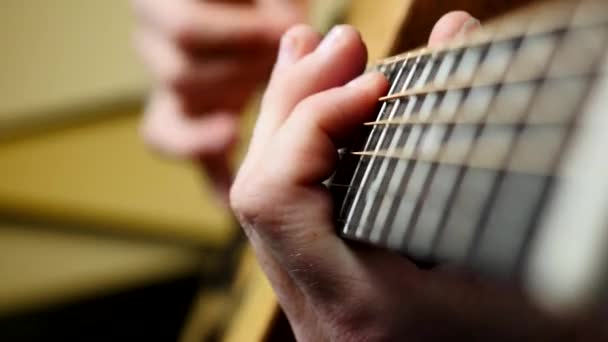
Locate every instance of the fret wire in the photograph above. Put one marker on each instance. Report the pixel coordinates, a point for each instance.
(436, 244)
(454, 86)
(409, 81)
(489, 120)
(403, 175)
(399, 173)
(497, 196)
(525, 233)
(496, 178)
(358, 169)
(475, 164)
(483, 162)
(401, 181)
(428, 172)
(380, 123)
(532, 228)
(465, 161)
(419, 237)
(489, 207)
(469, 63)
(371, 214)
(414, 78)
(483, 39)
(543, 121)
(346, 200)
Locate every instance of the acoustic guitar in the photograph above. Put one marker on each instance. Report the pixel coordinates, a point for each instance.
(488, 152)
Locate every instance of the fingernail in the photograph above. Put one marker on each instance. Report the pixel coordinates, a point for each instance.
(332, 38)
(470, 25)
(288, 49)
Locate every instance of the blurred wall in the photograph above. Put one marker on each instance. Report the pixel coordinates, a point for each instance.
(82, 200)
(56, 53)
(63, 62)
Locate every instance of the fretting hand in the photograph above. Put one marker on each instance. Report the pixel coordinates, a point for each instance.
(331, 290)
(207, 59)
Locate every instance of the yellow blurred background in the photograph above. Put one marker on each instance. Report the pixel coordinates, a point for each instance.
(99, 238)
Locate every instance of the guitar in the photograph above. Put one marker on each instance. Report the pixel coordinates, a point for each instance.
(483, 154)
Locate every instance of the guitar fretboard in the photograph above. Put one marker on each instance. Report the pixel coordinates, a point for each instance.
(469, 153)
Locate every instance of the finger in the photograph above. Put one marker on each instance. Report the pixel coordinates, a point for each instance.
(304, 150)
(212, 24)
(201, 101)
(298, 42)
(451, 25)
(168, 130)
(161, 58)
(319, 124)
(339, 58)
(281, 203)
(173, 68)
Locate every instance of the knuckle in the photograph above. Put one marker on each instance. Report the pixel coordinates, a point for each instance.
(180, 30)
(175, 71)
(182, 26)
(246, 202)
(177, 77)
(166, 147)
(159, 140)
(255, 207)
(154, 140)
(151, 138)
(165, 62)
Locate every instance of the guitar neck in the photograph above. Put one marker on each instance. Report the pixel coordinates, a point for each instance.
(482, 148)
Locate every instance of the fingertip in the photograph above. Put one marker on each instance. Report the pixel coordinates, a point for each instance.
(297, 42)
(451, 25)
(170, 132)
(346, 42)
(342, 58)
(221, 130)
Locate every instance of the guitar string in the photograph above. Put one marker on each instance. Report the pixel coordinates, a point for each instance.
(420, 92)
(455, 86)
(544, 119)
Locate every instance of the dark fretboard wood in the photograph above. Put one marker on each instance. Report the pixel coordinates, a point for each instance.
(466, 152)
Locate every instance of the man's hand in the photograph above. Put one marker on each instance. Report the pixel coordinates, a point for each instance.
(328, 289)
(207, 58)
